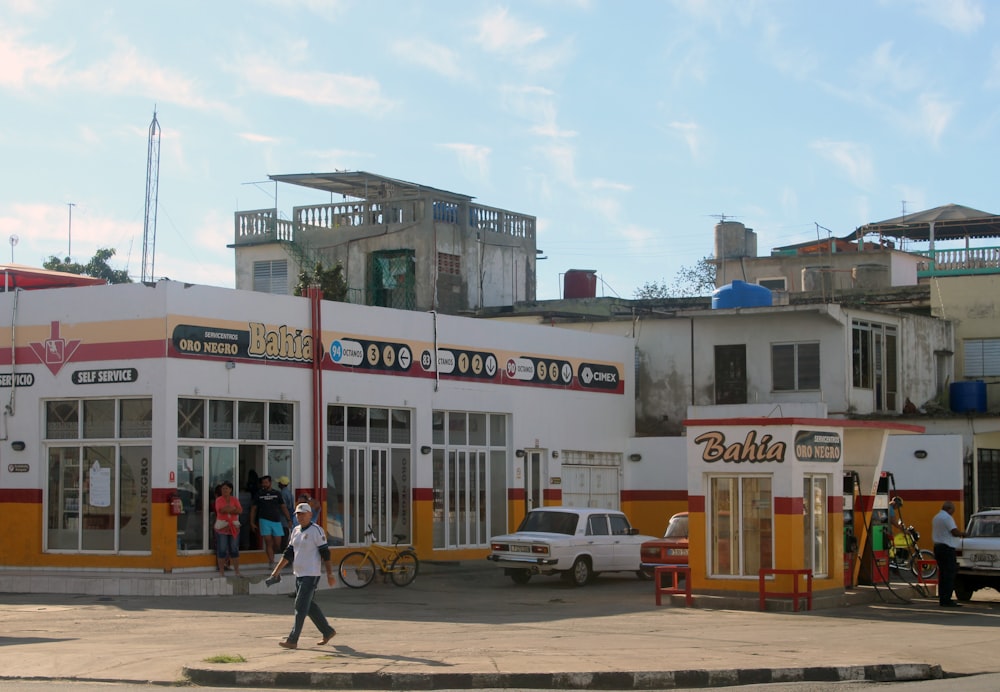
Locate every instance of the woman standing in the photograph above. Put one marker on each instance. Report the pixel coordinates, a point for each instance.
(227, 528)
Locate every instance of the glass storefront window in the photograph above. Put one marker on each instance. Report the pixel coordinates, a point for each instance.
(220, 419)
(62, 420)
(190, 418)
(741, 530)
(99, 418)
(250, 425)
(280, 417)
(135, 418)
(814, 530)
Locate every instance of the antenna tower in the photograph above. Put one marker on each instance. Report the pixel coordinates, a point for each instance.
(152, 200)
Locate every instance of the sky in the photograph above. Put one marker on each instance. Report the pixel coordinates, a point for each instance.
(628, 128)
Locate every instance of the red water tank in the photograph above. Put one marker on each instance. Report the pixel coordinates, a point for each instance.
(580, 283)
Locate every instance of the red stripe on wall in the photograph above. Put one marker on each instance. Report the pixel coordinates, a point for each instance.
(552, 494)
(163, 494)
(515, 493)
(24, 495)
(654, 495)
(696, 503)
(788, 505)
(423, 494)
(864, 503)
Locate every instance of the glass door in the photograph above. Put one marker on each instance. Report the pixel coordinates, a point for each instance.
(368, 498)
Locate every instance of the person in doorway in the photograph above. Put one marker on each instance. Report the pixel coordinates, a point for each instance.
(266, 514)
(227, 529)
(946, 535)
(289, 500)
(310, 555)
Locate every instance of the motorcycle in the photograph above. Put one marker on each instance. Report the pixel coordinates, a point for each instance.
(906, 554)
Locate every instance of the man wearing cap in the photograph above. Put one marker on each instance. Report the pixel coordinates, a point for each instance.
(309, 554)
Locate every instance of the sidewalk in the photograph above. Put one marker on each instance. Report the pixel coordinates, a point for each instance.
(466, 626)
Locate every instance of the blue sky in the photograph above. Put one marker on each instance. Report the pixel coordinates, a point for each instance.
(626, 127)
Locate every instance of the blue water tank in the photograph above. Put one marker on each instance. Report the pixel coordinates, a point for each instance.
(740, 294)
(968, 396)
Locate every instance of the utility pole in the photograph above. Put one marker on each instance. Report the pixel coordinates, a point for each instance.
(152, 200)
(69, 247)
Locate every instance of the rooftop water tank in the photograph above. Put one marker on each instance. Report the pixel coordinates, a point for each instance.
(580, 283)
(740, 294)
(968, 396)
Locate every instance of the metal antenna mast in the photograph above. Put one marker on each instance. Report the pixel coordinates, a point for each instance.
(152, 200)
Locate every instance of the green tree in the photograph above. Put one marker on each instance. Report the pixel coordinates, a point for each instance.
(652, 290)
(330, 280)
(97, 267)
(695, 281)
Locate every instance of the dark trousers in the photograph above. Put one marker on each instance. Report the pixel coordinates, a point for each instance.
(305, 604)
(947, 569)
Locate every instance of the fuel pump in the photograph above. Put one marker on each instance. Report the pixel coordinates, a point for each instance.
(851, 483)
(881, 530)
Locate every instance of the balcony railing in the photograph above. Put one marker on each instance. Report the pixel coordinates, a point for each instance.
(263, 225)
(979, 260)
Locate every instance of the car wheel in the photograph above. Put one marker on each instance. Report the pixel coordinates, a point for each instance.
(580, 573)
(520, 576)
(963, 590)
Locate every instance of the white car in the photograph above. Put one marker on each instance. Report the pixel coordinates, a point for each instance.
(573, 542)
(979, 556)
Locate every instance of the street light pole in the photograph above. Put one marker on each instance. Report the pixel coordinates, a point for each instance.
(69, 248)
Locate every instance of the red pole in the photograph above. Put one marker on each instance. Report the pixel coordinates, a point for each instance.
(315, 295)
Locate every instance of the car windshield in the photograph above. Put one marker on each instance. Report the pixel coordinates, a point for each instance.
(984, 527)
(550, 522)
(677, 528)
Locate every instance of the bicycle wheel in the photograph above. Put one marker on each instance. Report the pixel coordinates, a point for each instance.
(357, 570)
(404, 568)
(929, 570)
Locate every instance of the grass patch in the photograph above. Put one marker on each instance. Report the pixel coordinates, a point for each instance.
(226, 658)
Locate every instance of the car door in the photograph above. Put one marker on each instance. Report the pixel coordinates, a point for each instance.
(625, 546)
(600, 542)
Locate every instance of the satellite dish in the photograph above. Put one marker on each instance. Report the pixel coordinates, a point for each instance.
(13, 240)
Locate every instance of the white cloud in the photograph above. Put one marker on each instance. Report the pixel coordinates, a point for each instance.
(933, 116)
(537, 105)
(691, 134)
(314, 87)
(962, 16)
(501, 33)
(433, 56)
(258, 138)
(884, 68)
(474, 159)
(26, 65)
(852, 159)
(993, 70)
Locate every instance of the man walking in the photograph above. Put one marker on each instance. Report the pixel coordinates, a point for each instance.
(946, 535)
(268, 509)
(307, 551)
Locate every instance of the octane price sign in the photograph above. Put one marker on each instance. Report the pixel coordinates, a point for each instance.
(371, 355)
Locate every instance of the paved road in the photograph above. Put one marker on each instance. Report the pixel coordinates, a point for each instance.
(466, 626)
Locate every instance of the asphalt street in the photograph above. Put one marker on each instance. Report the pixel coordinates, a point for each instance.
(466, 626)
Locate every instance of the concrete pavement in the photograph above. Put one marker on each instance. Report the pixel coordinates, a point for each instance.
(466, 626)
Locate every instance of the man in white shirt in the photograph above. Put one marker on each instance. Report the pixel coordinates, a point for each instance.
(308, 552)
(946, 535)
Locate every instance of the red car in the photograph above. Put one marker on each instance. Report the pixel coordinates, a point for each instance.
(672, 549)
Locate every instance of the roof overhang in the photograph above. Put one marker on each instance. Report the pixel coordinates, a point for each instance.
(362, 185)
(27, 278)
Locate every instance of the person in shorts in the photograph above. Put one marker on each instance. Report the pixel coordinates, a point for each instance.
(266, 515)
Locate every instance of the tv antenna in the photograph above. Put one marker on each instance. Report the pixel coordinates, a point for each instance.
(152, 199)
(722, 217)
(13, 241)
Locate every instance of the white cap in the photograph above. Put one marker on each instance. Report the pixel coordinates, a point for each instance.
(303, 508)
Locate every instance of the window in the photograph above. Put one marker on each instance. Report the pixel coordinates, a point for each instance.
(271, 276)
(731, 374)
(988, 478)
(776, 284)
(741, 528)
(469, 466)
(874, 362)
(449, 264)
(99, 493)
(368, 469)
(391, 280)
(814, 535)
(795, 367)
(982, 357)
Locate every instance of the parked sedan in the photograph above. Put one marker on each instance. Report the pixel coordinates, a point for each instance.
(672, 549)
(979, 556)
(570, 541)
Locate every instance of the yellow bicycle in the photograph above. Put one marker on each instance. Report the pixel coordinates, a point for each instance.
(400, 564)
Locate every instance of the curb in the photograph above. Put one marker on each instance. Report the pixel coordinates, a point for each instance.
(607, 680)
